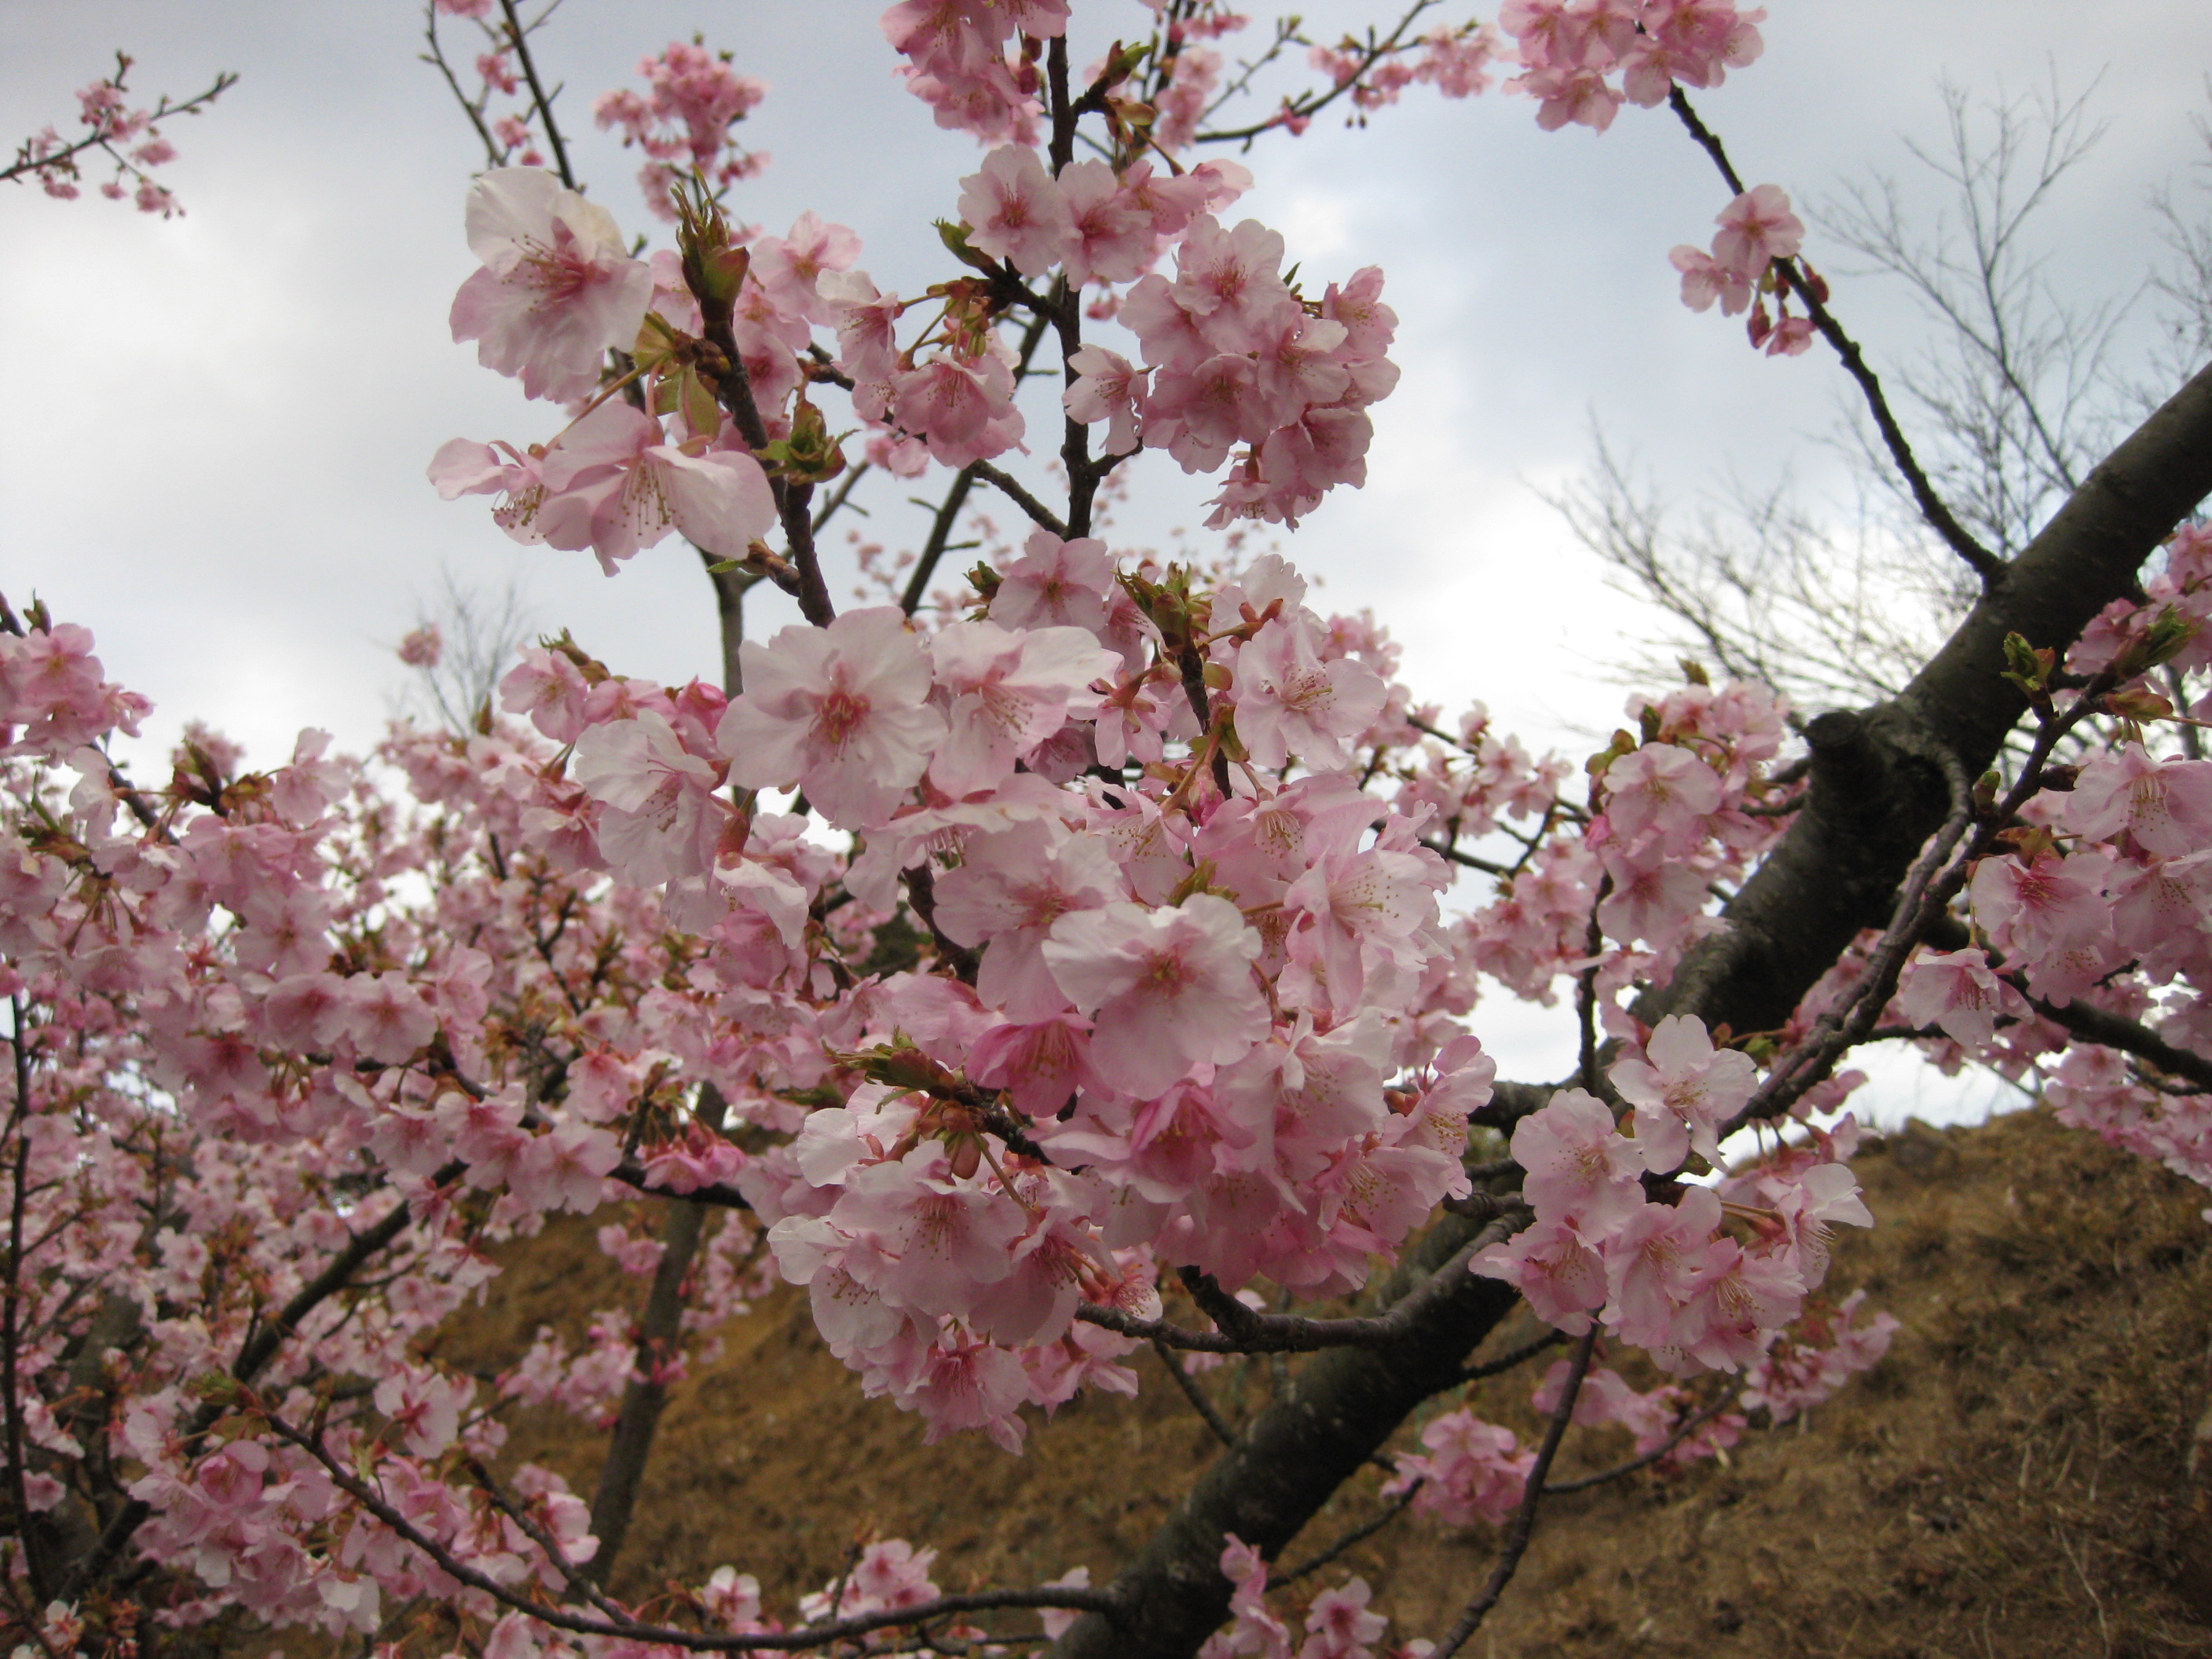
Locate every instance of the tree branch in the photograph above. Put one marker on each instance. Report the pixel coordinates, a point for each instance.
(521, 37)
(1199, 1400)
(631, 1630)
(1984, 563)
(1012, 488)
(1518, 1530)
(646, 1395)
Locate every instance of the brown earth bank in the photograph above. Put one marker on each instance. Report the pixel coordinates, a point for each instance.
(2029, 1471)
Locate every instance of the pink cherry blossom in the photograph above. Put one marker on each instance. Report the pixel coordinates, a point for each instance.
(2167, 808)
(1290, 702)
(1168, 989)
(840, 711)
(558, 287)
(1008, 891)
(661, 820)
(1683, 1090)
(1579, 1170)
(1008, 692)
(1956, 991)
(1015, 212)
(1704, 280)
(1756, 229)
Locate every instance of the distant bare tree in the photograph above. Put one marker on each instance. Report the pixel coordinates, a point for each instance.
(2016, 398)
(478, 633)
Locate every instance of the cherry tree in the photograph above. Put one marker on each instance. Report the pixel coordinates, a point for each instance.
(1076, 955)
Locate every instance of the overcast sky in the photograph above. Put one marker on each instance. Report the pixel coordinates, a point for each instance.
(212, 450)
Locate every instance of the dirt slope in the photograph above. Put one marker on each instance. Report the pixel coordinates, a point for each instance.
(2028, 1473)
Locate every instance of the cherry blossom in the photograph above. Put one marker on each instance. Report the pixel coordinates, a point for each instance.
(1683, 1090)
(1166, 989)
(841, 713)
(557, 290)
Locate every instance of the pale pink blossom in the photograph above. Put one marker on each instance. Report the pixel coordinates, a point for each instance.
(1704, 280)
(1683, 1090)
(1956, 992)
(1007, 893)
(1290, 702)
(636, 488)
(661, 819)
(1107, 388)
(1056, 583)
(1756, 229)
(1664, 789)
(1015, 211)
(1473, 1470)
(1578, 1168)
(2166, 807)
(1555, 1269)
(1168, 989)
(841, 713)
(1110, 237)
(558, 287)
(1006, 693)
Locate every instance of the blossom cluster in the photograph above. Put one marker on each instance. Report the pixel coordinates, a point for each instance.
(1672, 1278)
(1571, 51)
(682, 122)
(1338, 1622)
(129, 138)
(1756, 229)
(2102, 900)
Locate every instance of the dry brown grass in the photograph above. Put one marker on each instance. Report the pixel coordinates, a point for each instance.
(2014, 1481)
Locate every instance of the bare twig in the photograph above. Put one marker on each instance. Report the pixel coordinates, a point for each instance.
(1683, 1429)
(519, 37)
(1307, 105)
(1201, 1401)
(1518, 1530)
(628, 1628)
(1013, 490)
(1359, 1534)
(1985, 564)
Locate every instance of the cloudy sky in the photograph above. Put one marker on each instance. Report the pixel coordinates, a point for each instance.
(212, 449)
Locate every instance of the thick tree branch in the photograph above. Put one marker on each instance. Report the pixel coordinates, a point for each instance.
(1294, 1455)
(646, 1393)
(2112, 1030)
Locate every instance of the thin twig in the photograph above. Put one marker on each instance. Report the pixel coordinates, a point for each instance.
(1308, 105)
(1514, 1358)
(1357, 1535)
(1042, 515)
(1201, 1401)
(628, 1628)
(1987, 565)
(1523, 1523)
(1682, 1431)
(520, 37)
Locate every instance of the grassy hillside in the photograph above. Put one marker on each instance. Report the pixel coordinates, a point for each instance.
(2029, 1473)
